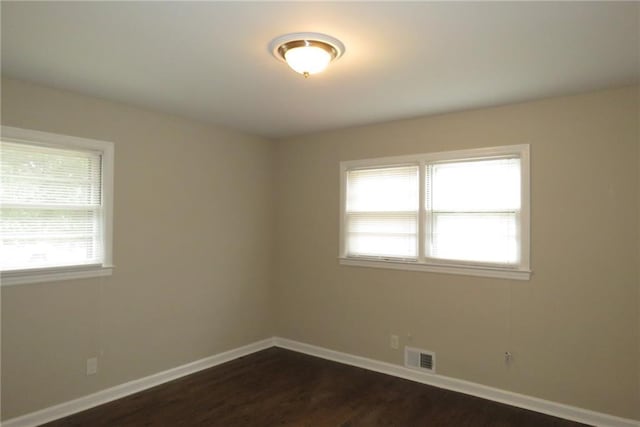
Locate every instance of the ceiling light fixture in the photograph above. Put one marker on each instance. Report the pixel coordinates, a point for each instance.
(307, 53)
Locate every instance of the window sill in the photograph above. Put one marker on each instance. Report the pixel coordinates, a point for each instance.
(501, 273)
(22, 277)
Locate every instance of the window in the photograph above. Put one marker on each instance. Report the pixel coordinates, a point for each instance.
(55, 207)
(464, 212)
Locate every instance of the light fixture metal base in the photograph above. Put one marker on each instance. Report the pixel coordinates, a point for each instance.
(280, 45)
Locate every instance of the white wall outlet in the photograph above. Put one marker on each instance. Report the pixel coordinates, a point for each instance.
(394, 342)
(92, 366)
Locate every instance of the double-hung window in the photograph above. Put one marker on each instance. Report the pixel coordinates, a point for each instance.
(382, 212)
(55, 195)
(464, 212)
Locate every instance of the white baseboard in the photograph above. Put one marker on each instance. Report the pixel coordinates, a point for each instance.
(74, 406)
(514, 399)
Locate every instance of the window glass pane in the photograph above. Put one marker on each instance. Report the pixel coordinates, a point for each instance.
(41, 223)
(51, 207)
(382, 245)
(383, 222)
(54, 252)
(382, 234)
(382, 212)
(384, 189)
(472, 186)
(475, 237)
(35, 175)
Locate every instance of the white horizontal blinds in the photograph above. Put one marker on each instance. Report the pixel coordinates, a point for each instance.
(473, 210)
(382, 212)
(51, 207)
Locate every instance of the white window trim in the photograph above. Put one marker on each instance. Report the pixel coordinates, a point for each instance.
(27, 136)
(520, 272)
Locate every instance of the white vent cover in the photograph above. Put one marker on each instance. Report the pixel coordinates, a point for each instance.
(420, 359)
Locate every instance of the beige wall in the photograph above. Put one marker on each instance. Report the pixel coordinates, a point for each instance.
(573, 328)
(193, 222)
(193, 277)
(638, 138)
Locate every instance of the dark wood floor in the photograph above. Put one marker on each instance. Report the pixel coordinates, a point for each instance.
(277, 387)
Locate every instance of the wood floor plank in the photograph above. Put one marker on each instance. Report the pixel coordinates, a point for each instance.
(277, 387)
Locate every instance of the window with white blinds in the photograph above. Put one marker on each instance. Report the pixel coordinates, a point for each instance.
(382, 212)
(52, 203)
(472, 209)
(463, 212)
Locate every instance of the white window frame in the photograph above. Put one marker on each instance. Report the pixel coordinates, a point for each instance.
(520, 271)
(50, 274)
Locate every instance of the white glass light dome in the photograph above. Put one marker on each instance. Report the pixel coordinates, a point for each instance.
(307, 59)
(307, 53)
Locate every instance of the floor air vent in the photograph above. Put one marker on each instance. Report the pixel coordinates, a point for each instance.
(420, 359)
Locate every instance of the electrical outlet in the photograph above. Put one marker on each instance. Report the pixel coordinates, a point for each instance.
(508, 357)
(394, 342)
(92, 366)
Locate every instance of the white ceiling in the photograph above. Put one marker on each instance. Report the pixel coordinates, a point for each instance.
(210, 60)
